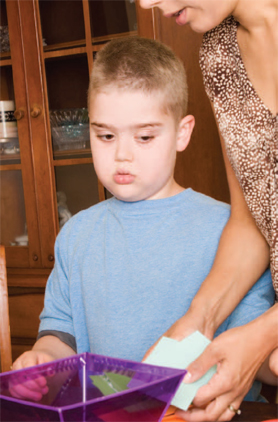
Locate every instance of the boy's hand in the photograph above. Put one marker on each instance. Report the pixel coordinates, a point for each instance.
(46, 349)
(32, 389)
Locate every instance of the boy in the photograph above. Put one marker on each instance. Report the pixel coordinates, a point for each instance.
(127, 268)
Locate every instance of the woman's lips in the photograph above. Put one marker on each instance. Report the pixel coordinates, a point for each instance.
(123, 178)
(180, 16)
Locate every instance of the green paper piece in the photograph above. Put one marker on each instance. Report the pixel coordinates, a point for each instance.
(110, 383)
(179, 354)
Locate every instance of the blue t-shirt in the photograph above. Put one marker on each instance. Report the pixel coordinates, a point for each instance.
(126, 271)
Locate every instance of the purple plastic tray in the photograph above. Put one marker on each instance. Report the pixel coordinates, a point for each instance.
(90, 387)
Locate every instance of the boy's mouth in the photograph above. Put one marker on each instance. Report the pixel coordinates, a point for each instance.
(123, 177)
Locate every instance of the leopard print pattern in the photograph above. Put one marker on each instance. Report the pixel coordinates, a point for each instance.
(249, 130)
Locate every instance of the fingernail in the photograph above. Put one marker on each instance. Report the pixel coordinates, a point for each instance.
(187, 377)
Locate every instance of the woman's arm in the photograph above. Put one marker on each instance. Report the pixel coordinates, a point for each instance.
(242, 257)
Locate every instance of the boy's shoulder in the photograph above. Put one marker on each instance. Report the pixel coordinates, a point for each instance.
(201, 201)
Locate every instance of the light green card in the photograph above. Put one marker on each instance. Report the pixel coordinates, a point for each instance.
(179, 354)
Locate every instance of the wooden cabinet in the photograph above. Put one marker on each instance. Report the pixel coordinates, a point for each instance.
(47, 68)
(52, 49)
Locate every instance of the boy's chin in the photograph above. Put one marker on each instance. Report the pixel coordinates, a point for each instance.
(124, 198)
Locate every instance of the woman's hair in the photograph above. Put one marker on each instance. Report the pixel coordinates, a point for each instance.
(136, 63)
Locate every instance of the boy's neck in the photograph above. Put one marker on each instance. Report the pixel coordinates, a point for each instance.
(171, 190)
(176, 189)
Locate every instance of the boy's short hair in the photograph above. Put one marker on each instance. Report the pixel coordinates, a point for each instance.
(137, 63)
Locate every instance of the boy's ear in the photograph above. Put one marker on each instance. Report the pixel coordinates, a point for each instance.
(185, 129)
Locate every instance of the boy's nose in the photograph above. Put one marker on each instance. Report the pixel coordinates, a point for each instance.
(147, 4)
(124, 150)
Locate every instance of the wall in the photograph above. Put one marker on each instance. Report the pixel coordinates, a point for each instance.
(201, 165)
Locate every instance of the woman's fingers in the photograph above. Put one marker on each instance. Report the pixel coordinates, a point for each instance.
(223, 408)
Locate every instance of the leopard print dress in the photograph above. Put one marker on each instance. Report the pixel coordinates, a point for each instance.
(249, 129)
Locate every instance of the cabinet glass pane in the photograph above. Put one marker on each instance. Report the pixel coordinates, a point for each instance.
(67, 84)
(13, 221)
(9, 144)
(62, 21)
(112, 17)
(77, 189)
(4, 32)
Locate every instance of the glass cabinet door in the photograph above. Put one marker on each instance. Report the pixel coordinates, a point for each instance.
(13, 229)
(13, 225)
(26, 193)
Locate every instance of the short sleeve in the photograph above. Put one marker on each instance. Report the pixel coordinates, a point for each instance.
(57, 312)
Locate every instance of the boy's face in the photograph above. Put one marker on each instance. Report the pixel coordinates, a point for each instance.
(201, 15)
(134, 144)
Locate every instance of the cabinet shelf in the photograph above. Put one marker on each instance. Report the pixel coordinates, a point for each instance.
(7, 167)
(5, 59)
(72, 161)
(106, 38)
(10, 162)
(79, 47)
(64, 45)
(72, 157)
(67, 52)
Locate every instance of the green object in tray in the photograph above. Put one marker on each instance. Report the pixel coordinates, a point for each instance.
(110, 383)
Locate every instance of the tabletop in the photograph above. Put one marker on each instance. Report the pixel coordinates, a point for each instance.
(253, 412)
(250, 412)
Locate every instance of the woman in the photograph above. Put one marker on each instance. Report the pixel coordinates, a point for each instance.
(238, 58)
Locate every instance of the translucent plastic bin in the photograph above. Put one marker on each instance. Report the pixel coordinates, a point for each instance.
(90, 387)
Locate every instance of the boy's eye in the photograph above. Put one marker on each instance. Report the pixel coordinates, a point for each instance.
(146, 138)
(106, 137)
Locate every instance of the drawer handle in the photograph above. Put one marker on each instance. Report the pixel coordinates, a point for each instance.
(35, 111)
(50, 258)
(18, 114)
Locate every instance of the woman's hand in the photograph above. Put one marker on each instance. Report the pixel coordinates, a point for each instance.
(238, 353)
